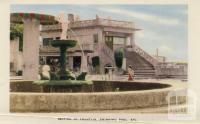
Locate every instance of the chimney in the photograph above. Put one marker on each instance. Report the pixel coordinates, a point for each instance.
(71, 17)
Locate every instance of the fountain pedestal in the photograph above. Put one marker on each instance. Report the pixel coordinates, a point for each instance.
(63, 45)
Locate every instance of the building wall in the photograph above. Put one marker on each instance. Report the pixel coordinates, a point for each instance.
(50, 34)
(86, 36)
(16, 57)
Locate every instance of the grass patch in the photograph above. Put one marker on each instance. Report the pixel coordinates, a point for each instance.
(62, 82)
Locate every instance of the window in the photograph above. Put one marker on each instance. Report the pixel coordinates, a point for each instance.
(46, 41)
(57, 38)
(119, 40)
(95, 37)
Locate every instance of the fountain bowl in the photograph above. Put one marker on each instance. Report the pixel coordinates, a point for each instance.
(68, 43)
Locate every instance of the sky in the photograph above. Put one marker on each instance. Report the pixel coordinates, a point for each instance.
(162, 26)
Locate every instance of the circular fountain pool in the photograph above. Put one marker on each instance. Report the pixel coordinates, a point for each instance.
(26, 96)
(72, 86)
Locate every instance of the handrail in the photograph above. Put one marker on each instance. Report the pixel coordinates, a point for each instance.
(145, 55)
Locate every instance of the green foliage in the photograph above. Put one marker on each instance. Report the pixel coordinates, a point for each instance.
(54, 76)
(119, 54)
(95, 61)
(16, 31)
(81, 76)
(65, 75)
(66, 43)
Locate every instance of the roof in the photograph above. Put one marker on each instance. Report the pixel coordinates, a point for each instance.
(43, 18)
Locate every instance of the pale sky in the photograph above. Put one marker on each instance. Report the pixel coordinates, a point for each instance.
(163, 26)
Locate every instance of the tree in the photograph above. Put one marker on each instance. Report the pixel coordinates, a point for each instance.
(16, 30)
(119, 54)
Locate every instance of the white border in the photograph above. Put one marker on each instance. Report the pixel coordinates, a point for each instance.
(194, 60)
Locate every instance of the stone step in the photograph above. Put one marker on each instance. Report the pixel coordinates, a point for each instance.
(144, 73)
(144, 76)
(143, 70)
(150, 75)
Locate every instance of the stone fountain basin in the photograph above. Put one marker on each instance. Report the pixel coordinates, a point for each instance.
(68, 43)
(27, 101)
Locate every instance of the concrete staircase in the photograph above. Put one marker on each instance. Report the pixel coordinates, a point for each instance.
(142, 62)
(142, 67)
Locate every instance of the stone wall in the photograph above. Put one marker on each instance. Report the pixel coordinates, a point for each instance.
(172, 70)
(24, 86)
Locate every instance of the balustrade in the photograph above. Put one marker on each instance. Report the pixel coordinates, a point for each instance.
(88, 23)
(145, 55)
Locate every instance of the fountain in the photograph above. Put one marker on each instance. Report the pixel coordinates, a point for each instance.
(64, 75)
(63, 44)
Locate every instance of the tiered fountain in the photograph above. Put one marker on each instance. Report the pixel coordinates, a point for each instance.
(64, 76)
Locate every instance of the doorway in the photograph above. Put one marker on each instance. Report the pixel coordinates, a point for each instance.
(77, 62)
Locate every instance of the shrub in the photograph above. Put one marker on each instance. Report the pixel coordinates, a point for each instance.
(95, 61)
(54, 76)
(16, 30)
(119, 54)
